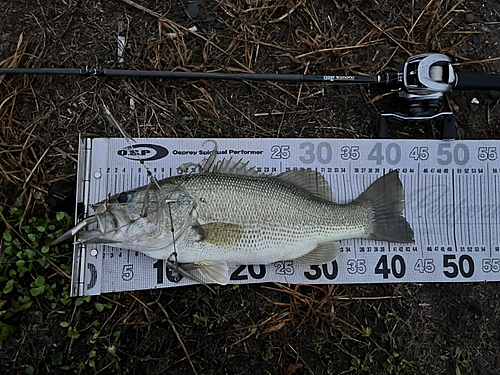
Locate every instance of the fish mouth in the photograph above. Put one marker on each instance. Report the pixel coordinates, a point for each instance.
(77, 228)
(107, 223)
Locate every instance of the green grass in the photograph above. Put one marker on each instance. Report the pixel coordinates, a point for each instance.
(28, 265)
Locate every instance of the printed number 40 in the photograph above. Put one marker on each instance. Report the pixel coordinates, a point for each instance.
(398, 267)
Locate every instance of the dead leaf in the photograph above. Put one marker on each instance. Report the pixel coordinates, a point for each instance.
(292, 368)
(275, 328)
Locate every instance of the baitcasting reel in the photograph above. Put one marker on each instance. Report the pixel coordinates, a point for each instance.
(422, 84)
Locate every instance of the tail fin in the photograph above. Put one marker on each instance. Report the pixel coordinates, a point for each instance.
(386, 197)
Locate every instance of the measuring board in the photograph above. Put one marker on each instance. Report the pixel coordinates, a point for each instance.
(452, 202)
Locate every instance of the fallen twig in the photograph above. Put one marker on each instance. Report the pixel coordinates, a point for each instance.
(178, 336)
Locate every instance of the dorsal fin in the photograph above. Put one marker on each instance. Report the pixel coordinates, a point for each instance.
(231, 167)
(311, 181)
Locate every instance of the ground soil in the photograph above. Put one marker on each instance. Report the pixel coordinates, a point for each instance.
(263, 329)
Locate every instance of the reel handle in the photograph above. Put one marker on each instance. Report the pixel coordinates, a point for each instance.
(469, 81)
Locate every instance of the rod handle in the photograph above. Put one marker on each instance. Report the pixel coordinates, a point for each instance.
(468, 81)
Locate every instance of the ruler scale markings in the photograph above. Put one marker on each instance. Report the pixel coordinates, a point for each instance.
(347, 198)
(415, 208)
(471, 212)
(467, 211)
(479, 238)
(429, 214)
(484, 217)
(486, 213)
(412, 211)
(494, 212)
(464, 197)
(450, 227)
(354, 188)
(454, 208)
(441, 211)
(436, 208)
(476, 234)
(461, 211)
(438, 211)
(490, 243)
(426, 217)
(134, 177)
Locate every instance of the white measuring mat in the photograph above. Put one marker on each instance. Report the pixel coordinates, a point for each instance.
(451, 192)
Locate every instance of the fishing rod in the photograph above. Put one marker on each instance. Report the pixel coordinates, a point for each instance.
(88, 72)
(421, 82)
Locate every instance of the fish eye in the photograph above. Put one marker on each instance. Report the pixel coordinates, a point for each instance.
(123, 197)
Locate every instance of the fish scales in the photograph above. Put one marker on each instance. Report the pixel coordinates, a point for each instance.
(279, 221)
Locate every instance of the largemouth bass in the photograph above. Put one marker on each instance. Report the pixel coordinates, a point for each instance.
(230, 215)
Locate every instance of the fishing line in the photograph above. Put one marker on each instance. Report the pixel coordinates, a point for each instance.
(174, 266)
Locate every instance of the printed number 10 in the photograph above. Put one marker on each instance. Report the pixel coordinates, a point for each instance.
(171, 276)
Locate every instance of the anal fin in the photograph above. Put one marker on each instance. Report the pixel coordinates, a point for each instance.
(323, 253)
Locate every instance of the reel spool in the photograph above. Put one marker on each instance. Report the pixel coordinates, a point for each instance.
(422, 84)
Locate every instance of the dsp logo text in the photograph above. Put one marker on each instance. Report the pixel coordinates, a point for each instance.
(144, 152)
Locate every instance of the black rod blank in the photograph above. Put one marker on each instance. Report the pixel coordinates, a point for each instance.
(469, 81)
(197, 75)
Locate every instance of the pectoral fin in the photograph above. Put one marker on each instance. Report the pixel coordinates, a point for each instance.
(216, 271)
(220, 234)
(322, 253)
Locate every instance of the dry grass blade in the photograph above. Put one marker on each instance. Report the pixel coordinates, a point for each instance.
(290, 11)
(410, 33)
(35, 167)
(378, 97)
(274, 328)
(477, 61)
(180, 27)
(385, 32)
(315, 307)
(335, 49)
(178, 336)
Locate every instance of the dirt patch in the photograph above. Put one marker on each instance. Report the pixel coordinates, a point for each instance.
(401, 329)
